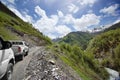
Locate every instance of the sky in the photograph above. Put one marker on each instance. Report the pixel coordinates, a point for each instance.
(56, 18)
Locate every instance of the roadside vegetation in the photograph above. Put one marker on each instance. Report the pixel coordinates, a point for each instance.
(106, 47)
(82, 62)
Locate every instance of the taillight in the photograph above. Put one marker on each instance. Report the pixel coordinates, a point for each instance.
(19, 49)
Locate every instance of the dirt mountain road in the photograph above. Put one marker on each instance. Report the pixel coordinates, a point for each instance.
(20, 67)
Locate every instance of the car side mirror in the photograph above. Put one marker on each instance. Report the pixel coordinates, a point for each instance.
(7, 45)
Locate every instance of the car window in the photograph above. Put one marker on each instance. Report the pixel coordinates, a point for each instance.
(17, 43)
(0, 45)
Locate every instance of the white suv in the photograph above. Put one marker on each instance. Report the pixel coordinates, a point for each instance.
(20, 48)
(6, 60)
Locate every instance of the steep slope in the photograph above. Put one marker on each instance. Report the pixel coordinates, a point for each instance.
(81, 61)
(80, 39)
(12, 27)
(106, 47)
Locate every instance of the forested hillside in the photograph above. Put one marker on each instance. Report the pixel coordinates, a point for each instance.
(106, 46)
(81, 61)
(80, 39)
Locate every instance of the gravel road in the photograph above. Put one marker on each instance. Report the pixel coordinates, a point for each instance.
(20, 67)
(42, 65)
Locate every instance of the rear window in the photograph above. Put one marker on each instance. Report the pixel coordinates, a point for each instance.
(17, 43)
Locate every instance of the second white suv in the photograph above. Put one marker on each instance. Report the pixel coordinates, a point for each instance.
(20, 48)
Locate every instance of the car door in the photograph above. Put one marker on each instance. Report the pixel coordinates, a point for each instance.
(4, 59)
(1, 58)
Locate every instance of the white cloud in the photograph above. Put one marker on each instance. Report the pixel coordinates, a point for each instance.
(60, 14)
(40, 11)
(45, 24)
(86, 21)
(52, 36)
(117, 21)
(73, 8)
(83, 22)
(13, 9)
(52, 27)
(24, 16)
(27, 17)
(87, 2)
(68, 19)
(111, 10)
(62, 29)
(59, 31)
(49, 26)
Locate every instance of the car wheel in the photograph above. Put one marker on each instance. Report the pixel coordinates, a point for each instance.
(8, 75)
(26, 53)
(21, 57)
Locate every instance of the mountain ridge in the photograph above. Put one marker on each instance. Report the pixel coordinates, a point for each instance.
(77, 38)
(82, 38)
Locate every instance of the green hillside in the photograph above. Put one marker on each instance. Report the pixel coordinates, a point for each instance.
(81, 61)
(12, 27)
(103, 50)
(106, 46)
(80, 39)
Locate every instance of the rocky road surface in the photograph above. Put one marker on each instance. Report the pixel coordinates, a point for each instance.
(44, 66)
(20, 67)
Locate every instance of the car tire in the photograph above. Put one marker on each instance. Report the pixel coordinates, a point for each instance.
(8, 75)
(21, 57)
(26, 54)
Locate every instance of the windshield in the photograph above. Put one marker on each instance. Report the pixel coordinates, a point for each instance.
(17, 43)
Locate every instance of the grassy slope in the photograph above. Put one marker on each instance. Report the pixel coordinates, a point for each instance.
(9, 20)
(82, 62)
